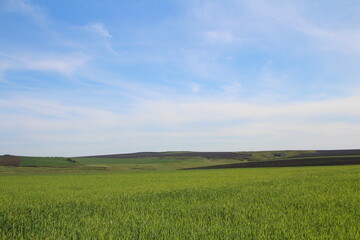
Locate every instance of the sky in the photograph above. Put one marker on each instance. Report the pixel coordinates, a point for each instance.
(100, 77)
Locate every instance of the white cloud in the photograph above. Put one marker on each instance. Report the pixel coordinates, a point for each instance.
(288, 16)
(63, 64)
(346, 42)
(194, 124)
(28, 9)
(195, 87)
(100, 29)
(223, 110)
(219, 37)
(232, 88)
(269, 23)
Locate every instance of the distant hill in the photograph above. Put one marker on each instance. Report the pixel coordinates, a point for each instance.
(175, 160)
(323, 153)
(21, 161)
(231, 155)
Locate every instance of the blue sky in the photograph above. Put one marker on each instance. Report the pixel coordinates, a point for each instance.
(96, 77)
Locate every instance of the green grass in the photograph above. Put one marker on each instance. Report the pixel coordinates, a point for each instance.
(46, 161)
(276, 203)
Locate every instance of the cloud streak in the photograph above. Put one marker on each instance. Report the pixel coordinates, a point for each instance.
(219, 37)
(100, 29)
(259, 19)
(62, 64)
(190, 121)
(289, 16)
(26, 8)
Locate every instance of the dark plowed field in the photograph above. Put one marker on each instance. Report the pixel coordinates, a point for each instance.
(225, 155)
(326, 153)
(290, 163)
(8, 160)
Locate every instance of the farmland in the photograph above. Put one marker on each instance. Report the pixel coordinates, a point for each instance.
(46, 162)
(294, 162)
(167, 161)
(230, 195)
(262, 203)
(21, 161)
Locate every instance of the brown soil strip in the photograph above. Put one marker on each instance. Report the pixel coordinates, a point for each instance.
(8, 160)
(327, 153)
(289, 163)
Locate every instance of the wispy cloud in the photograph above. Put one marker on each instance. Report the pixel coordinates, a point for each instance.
(271, 21)
(100, 29)
(188, 121)
(195, 87)
(63, 64)
(28, 9)
(219, 37)
(291, 17)
(232, 88)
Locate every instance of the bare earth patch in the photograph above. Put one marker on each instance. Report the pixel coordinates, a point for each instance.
(8, 160)
(290, 163)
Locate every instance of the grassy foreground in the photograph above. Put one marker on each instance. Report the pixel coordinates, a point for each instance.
(271, 203)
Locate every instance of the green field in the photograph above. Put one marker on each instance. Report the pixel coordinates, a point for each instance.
(85, 165)
(160, 161)
(264, 203)
(46, 162)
